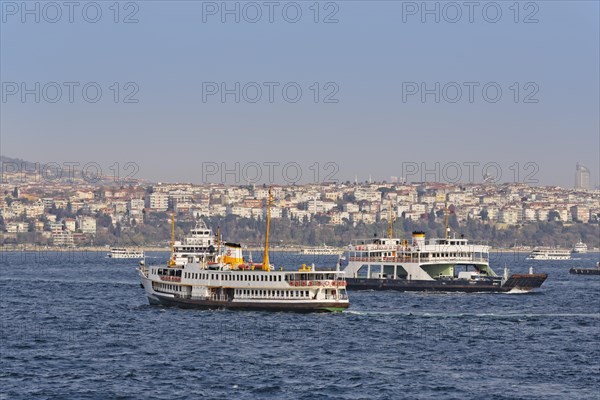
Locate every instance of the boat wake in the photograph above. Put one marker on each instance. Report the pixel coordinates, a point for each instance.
(518, 291)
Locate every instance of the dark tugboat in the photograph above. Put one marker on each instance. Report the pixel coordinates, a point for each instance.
(586, 271)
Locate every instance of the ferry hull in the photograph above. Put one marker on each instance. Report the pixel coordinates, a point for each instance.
(157, 299)
(525, 282)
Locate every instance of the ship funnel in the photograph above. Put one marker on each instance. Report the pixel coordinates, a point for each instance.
(418, 238)
(233, 254)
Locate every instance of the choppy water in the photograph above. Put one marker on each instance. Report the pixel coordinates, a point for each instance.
(78, 325)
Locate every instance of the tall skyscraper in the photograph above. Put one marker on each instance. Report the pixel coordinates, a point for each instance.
(582, 177)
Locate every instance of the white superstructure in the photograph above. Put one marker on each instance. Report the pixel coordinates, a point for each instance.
(200, 242)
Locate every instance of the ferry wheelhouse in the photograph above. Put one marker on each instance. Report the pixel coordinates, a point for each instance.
(421, 264)
(225, 280)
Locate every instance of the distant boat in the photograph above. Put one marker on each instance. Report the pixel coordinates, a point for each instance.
(586, 271)
(322, 251)
(549, 253)
(118, 253)
(580, 247)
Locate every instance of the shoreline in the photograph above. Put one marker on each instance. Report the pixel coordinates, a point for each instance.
(157, 249)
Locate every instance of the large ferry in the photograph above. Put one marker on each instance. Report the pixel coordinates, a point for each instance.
(549, 253)
(580, 247)
(224, 279)
(421, 264)
(118, 253)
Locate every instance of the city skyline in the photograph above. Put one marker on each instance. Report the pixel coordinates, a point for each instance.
(292, 173)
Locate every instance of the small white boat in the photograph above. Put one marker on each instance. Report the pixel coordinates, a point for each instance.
(580, 247)
(549, 253)
(125, 253)
(322, 251)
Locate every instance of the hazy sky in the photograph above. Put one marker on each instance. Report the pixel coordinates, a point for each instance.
(372, 61)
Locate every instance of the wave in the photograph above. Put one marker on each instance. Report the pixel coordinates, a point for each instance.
(474, 315)
(104, 282)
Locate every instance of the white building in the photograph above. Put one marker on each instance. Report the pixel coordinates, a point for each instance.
(157, 201)
(86, 224)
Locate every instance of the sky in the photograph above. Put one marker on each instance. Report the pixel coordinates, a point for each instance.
(299, 92)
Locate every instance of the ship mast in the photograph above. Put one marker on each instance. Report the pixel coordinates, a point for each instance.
(265, 263)
(172, 262)
(446, 215)
(391, 221)
(218, 240)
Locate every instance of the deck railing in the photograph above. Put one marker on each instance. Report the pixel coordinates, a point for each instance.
(416, 259)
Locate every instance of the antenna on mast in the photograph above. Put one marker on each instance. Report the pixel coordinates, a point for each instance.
(391, 232)
(265, 263)
(172, 262)
(446, 215)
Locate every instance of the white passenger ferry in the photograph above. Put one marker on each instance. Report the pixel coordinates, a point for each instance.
(549, 253)
(322, 251)
(124, 253)
(225, 280)
(439, 264)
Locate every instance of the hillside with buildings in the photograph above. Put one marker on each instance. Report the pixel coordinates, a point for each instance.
(59, 213)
